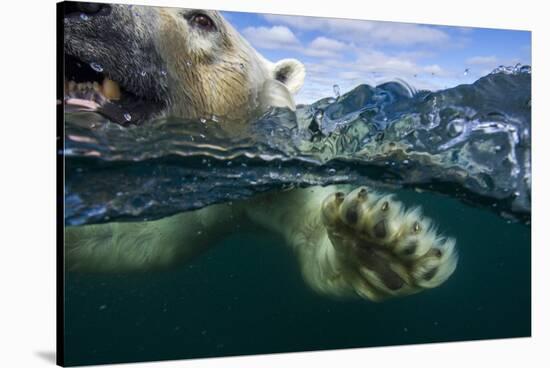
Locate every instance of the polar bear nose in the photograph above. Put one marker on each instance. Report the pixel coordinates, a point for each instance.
(86, 8)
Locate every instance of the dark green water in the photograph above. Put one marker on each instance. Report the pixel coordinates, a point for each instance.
(246, 296)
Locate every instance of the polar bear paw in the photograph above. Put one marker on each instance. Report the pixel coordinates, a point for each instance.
(384, 249)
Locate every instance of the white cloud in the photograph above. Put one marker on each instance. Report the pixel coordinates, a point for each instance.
(363, 31)
(271, 38)
(280, 37)
(482, 60)
(371, 67)
(327, 43)
(325, 47)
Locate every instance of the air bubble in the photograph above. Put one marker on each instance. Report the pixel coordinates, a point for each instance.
(466, 71)
(84, 16)
(143, 73)
(127, 117)
(97, 67)
(319, 117)
(203, 120)
(455, 128)
(336, 89)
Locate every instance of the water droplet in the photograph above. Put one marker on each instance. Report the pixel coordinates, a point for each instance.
(127, 116)
(525, 69)
(143, 73)
(455, 128)
(319, 117)
(97, 67)
(332, 171)
(84, 16)
(188, 63)
(466, 71)
(163, 72)
(336, 89)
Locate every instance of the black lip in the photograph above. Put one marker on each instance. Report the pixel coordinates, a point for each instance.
(129, 110)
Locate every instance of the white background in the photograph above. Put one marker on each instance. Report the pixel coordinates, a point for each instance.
(27, 180)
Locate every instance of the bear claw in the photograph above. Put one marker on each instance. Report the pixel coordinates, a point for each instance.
(386, 249)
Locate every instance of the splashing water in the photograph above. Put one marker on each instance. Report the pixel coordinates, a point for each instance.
(471, 142)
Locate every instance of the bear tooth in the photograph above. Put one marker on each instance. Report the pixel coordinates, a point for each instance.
(111, 89)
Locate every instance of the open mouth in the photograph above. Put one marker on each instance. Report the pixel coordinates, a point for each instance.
(87, 88)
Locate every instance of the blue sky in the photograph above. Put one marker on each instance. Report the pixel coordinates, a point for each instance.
(351, 52)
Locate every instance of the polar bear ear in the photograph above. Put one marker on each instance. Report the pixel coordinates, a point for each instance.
(291, 73)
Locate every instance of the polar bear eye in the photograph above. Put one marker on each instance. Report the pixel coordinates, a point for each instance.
(202, 21)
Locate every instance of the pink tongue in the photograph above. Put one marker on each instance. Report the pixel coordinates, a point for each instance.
(79, 102)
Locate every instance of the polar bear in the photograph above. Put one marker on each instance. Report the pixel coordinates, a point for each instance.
(193, 63)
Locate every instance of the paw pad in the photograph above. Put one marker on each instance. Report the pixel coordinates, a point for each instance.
(393, 251)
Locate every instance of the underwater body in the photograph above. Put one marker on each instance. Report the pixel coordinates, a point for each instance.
(463, 154)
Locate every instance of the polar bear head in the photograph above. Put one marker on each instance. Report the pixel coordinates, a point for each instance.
(185, 62)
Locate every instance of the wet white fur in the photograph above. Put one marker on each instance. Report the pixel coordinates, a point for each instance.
(219, 72)
(329, 267)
